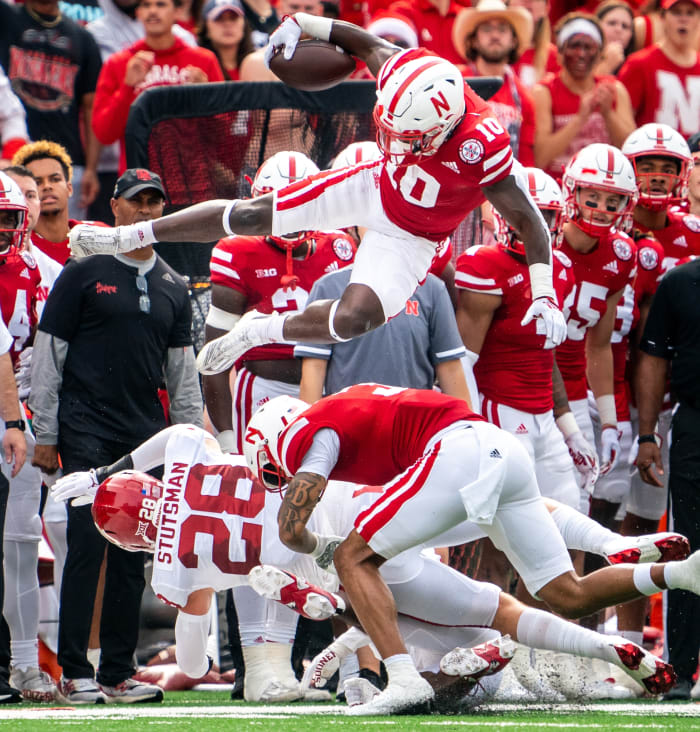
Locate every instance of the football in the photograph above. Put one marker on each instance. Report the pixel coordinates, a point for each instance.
(315, 65)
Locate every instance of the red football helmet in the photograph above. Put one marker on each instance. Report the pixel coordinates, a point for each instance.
(420, 100)
(605, 169)
(126, 510)
(12, 200)
(549, 199)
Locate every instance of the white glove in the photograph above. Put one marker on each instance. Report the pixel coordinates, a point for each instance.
(585, 459)
(326, 663)
(287, 34)
(609, 449)
(227, 441)
(324, 551)
(82, 486)
(23, 375)
(550, 321)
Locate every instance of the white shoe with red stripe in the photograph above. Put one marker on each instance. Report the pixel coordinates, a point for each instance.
(482, 660)
(221, 353)
(662, 547)
(308, 600)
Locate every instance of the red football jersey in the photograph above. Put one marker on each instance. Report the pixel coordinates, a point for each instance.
(254, 267)
(382, 429)
(679, 238)
(598, 274)
(513, 368)
(661, 91)
(19, 287)
(649, 258)
(430, 199)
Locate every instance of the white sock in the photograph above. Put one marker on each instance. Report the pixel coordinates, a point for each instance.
(636, 636)
(25, 654)
(400, 664)
(279, 658)
(539, 629)
(581, 532)
(675, 575)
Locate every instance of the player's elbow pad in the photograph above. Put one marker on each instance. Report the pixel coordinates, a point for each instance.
(191, 633)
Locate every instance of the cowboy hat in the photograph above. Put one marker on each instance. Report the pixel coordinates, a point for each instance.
(468, 19)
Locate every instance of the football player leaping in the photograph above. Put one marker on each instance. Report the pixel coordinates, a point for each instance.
(444, 153)
(209, 522)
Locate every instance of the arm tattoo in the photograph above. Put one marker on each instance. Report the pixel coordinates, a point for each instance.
(300, 499)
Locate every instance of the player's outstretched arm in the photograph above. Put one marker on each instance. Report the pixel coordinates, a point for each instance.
(203, 222)
(371, 49)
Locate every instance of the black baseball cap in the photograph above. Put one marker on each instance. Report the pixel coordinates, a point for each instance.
(135, 180)
(694, 142)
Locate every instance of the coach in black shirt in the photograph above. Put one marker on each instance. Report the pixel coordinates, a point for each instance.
(112, 329)
(672, 336)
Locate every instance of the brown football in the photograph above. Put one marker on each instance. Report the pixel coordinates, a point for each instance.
(315, 65)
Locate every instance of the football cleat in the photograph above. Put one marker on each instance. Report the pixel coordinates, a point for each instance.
(131, 691)
(663, 547)
(273, 691)
(359, 691)
(80, 691)
(403, 695)
(482, 660)
(85, 239)
(308, 600)
(221, 353)
(656, 676)
(34, 684)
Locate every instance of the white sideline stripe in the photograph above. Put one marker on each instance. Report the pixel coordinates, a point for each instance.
(481, 713)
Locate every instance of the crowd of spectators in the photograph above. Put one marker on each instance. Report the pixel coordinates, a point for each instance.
(573, 74)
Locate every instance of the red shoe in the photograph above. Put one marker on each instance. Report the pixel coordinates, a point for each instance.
(662, 547)
(483, 660)
(656, 676)
(308, 600)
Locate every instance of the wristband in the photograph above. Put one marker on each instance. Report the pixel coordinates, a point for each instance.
(18, 424)
(226, 440)
(654, 437)
(227, 215)
(315, 26)
(541, 281)
(606, 409)
(567, 424)
(141, 234)
(221, 319)
(331, 327)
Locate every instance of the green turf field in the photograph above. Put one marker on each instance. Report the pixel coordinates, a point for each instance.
(214, 712)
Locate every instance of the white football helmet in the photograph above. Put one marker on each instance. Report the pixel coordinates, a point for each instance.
(260, 444)
(357, 152)
(659, 141)
(280, 170)
(549, 199)
(604, 168)
(12, 199)
(420, 100)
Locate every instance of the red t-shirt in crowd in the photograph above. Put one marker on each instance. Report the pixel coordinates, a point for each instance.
(661, 91)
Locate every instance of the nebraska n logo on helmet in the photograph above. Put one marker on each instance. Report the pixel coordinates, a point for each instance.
(659, 188)
(420, 100)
